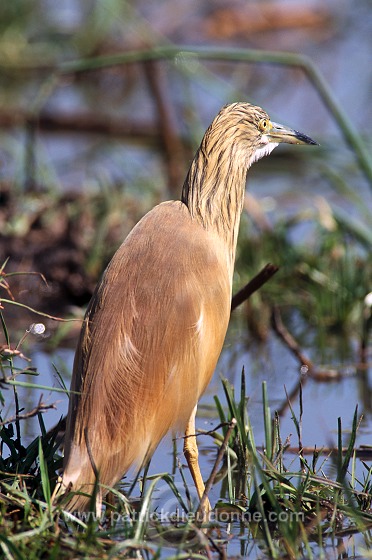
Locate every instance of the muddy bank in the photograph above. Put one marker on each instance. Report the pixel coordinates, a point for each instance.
(64, 241)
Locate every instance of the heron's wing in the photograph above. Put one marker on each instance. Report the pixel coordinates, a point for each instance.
(150, 342)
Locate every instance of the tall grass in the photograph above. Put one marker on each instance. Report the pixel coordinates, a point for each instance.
(296, 512)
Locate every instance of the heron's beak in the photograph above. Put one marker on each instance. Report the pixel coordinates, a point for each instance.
(279, 133)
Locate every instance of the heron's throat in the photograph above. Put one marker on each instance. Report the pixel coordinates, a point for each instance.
(214, 193)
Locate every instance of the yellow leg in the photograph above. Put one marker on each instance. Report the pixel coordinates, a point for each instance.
(191, 453)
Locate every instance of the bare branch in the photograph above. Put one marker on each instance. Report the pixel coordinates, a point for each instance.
(253, 285)
(288, 339)
(40, 407)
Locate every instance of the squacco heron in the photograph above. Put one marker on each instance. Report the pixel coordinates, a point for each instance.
(155, 326)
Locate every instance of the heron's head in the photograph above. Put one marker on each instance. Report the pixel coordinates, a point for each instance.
(248, 130)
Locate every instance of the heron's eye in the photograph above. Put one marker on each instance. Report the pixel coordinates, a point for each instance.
(264, 125)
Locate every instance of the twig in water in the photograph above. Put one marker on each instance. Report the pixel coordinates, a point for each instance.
(362, 452)
(253, 285)
(288, 339)
(40, 407)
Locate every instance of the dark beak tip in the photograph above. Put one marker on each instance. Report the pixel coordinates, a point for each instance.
(313, 143)
(306, 139)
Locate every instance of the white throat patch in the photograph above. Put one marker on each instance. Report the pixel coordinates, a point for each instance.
(263, 151)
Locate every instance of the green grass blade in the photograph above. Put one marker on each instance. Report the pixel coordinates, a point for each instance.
(267, 423)
(36, 386)
(343, 463)
(145, 508)
(9, 549)
(45, 484)
(3, 324)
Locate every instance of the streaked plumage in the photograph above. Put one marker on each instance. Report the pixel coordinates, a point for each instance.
(155, 327)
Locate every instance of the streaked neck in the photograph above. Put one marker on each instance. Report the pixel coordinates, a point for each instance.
(214, 192)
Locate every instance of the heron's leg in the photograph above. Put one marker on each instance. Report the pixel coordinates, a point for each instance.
(191, 453)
